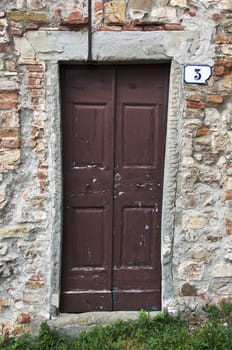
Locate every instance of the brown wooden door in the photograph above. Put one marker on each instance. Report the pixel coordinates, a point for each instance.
(114, 123)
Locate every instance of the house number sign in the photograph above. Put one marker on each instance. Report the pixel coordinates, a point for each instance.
(197, 74)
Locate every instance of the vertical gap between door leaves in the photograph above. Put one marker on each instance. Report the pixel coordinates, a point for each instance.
(114, 169)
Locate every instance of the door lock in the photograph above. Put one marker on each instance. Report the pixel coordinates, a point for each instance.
(117, 177)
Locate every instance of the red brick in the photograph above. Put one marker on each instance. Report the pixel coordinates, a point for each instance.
(222, 38)
(57, 14)
(3, 48)
(42, 174)
(131, 27)
(229, 227)
(214, 99)
(35, 107)
(191, 13)
(43, 186)
(34, 82)
(11, 143)
(173, 26)
(202, 132)
(228, 195)
(8, 99)
(37, 277)
(17, 31)
(99, 6)
(37, 92)
(6, 333)
(75, 17)
(35, 68)
(10, 66)
(143, 23)
(226, 62)
(42, 165)
(25, 318)
(36, 74)
(153, 28)
(219, 70)
(32, 26)
(8, 133)
(194, 104)
(217, 16)
(99, 14)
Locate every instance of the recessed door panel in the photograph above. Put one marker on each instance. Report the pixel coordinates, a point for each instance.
(89, 145)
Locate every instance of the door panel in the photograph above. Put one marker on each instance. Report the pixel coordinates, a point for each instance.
(138, 187)
(88, 118)
(114, 122)
(141, 152)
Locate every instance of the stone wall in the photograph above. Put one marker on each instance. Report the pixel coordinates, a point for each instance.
(36, 35)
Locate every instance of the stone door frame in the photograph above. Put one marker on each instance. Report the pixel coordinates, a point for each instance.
(53, 48)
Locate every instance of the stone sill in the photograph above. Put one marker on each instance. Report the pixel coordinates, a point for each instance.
(74, 324)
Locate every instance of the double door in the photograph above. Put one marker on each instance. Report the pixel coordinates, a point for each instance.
(114, 126)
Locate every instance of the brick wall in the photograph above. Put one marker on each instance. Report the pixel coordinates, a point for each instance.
(36, 34)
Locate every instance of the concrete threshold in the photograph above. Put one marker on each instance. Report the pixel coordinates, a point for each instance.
(74, 324)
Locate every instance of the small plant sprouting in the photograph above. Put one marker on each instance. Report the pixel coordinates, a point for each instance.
(162, 332)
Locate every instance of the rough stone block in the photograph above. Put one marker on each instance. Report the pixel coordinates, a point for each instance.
(222, 269)
(3, 199)
(179, 3)
(212, 117)
(225, 84)
(164, 14)
(4, 38)
(200, 253)
(188, 290)
(187, 144)
(3, 303)
(226, 49)
(25, 17)
(224, 4)
(13, 231)
(7, 84)
(193, 272)
(190, 200)
(3, 249)
(9, 159)
(19, 330)
(9, 120)
(139, 8)
(114, 12)
(195, 96)
(194, 223)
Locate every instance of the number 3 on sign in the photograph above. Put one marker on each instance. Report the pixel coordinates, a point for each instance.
(197, 74)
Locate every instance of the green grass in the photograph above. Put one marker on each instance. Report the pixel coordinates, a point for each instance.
(210, 329)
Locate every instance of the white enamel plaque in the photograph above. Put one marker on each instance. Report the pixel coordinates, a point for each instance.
(197, 74)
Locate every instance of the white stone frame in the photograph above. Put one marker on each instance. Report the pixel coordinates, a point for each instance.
(53, 47)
